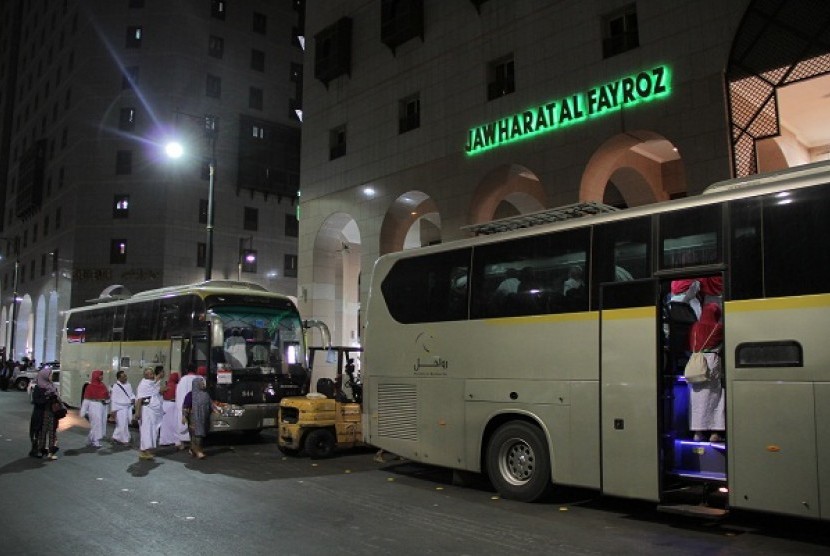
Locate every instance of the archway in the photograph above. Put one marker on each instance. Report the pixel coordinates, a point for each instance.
(506, 191)
(23, 333)
(39, 329)
(777, 77)
(411, 221)
(335, 295)
(632, 169)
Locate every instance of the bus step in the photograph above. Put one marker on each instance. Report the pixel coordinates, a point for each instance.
(690, 510)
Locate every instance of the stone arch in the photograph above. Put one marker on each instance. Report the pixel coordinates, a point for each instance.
(39, 329)
(51, 348)
(411, 221)
(779, 43)
(643, 166)
(24, 329)
(335, 291)
(506, 191)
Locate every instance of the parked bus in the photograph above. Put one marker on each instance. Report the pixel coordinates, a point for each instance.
(249, 342)
(543, 381)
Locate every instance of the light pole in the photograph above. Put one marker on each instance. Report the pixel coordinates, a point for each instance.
(175, 150)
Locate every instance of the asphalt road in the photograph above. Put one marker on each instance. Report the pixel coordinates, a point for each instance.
(246, 498)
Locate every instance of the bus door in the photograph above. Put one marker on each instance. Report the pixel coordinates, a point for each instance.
(177, 345)
(629, 348)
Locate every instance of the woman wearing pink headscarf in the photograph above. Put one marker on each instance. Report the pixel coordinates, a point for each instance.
(706, 399)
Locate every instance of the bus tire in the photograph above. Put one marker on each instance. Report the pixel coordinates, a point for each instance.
(320, 443)
(518, 463)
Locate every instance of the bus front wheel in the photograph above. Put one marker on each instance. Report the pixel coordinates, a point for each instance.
(517, 462)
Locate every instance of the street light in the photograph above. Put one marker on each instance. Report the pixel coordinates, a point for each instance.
(176, 150)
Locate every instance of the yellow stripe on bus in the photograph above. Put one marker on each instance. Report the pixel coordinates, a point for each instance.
(780, 303)
(630, 313)
(537, 319)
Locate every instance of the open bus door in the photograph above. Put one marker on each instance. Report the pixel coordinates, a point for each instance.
(629, 394)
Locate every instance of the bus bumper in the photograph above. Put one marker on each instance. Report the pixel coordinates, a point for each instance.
(242, 418)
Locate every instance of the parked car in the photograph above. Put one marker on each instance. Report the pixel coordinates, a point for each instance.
(56, 380)
(23, 377)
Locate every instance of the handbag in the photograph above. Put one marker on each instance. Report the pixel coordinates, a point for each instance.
(697, 368)
(58, 409)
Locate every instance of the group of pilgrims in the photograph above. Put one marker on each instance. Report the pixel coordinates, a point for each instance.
(175, 413)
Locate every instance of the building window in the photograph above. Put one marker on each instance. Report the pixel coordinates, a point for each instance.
(203, 210)
(32, 270)
(55, 260)
(123, 163)
(250, 219)
(216, 46)
(292, 225)
(247, 260)
(126, 119)
(257, 60)
(409, 113)
(260, 23)
(400, 21)
(255, 98)
(134, 35)
(620, 31)
(500, 78)
(333, 51)
(290, 266)
(217, 9)
(130, 78)
(337, 142)
(118, 251)
(257, 132)
(121, 206)
(213, 88)
(201, 254)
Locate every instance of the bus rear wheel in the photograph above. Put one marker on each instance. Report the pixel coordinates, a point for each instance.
(517, 462)
(320, 443)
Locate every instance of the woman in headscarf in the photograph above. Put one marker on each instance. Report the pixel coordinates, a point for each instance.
(171, 421)
(197, 409)
(706, 399)
(94, 407)
(43, 428)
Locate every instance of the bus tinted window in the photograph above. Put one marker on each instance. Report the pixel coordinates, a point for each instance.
(745, 273)
(90, 326)
(138, 325)
(531, 276)
(431, 288)
(621, 253)
(796, 225)
(690, 237)
(175, 316)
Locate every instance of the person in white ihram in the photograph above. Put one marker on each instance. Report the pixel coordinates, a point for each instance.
(148, 407)
(122, 398)
(184, 387)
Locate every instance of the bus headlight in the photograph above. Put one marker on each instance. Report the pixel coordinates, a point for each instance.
(231, 410)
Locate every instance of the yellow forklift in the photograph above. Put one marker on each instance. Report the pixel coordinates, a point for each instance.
(324, 421)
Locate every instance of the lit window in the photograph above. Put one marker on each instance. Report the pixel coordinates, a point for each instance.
(134, 35)
(121, 206)
(118, 251)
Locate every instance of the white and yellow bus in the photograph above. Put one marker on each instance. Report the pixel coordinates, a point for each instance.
(555, 354)
(250, 342)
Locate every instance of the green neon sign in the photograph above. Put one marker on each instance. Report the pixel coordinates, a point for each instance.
(609, 97)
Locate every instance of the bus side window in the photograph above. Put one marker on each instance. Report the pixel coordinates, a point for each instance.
(621, 253)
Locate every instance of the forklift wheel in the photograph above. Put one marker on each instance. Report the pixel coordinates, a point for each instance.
(320, 444)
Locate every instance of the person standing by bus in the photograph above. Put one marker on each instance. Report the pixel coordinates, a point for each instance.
(149, 411)
(183, 388)
(706, 399)
(197, 409)
(123, 399)
(43, 428)
(172, 419)
(94, 407)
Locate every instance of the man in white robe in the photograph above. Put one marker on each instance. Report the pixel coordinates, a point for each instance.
(122, 398)
(183, 388)
(148, 398)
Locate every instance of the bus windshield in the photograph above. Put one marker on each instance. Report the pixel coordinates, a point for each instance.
(260, 337)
